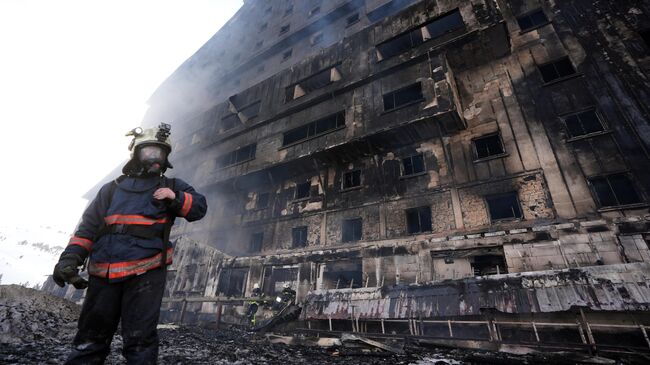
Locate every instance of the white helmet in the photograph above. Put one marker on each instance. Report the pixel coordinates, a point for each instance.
(256, 286)
(286, 285)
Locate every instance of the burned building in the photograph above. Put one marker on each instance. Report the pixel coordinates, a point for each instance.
(442, 168)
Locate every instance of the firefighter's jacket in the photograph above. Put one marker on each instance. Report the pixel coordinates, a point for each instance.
(117, 255)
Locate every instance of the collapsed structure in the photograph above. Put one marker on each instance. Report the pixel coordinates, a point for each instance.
(453, 169)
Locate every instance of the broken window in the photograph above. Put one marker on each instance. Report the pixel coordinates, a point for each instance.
(615, 190)
(418, 220)
(314, 11)
(285, 28)
(342, 274)
(403, 96)
(314, 82)
(287, 54)
(557, 69)
(276, 276)
(351, 179)
(488, 264)
(257, 240)
(504, 206)
(352, 19)
(583, 123)
(314, 129)
(413, 165)
(488, 146)
(351, 230)
(443, 25)
(299, 236)
(262, 201)
(302, 190)
(251, 110)
(436, 28)
(230, 121)
(317, 38)
(532, 20)
(238, 156)
(399, 44)
(232, 281)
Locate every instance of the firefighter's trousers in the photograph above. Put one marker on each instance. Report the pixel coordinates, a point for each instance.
(136, 301)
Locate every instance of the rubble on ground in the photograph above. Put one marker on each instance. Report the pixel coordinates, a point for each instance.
(37, 328)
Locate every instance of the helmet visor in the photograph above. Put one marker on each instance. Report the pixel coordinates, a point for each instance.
(152, 153)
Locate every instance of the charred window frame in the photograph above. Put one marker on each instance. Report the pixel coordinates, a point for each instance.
(503, 207)
(488, 147)
(352, 230)
(418, 220)
(229, 122)
(438, 27)
(408, 95)
(615, 190)
(256, 242)
(313, 11)
(583, 124)
(302, 191)
(251, 110)
(532, 20)
(314, 129)
(351, 20)
(287, 54)
(262, 201)
(241, 155)
(557, 70)
(276, 276)
(413, 165)
(312, 83)
(317, 38)
(351, 180)
(232, 281)
(299, 237)
(342, 274)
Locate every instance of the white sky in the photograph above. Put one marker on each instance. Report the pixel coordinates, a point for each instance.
(75, 76)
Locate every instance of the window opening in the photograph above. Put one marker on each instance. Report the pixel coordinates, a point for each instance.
(314, 82)
(352, 230)
(403, 96)
(299, 236)
(488, 146)
(230, 121)
(615, 190)
(583, 123)
(352, 19)
(418, 220)
(302, 190)
(232, 281)
(314, 11)
(243, 154)
(413, 165)
(556, 69)
(504, 206)
(262, 200)
(532, 20)
(317, 39)
(275, 278)
(285, 28)
(314, 128)
(257, 240)
(287, 54)
(342, 274)
(351, 179)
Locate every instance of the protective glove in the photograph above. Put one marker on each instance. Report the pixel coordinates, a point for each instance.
(66, 271)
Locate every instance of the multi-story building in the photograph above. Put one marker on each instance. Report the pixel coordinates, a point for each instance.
(403, 161)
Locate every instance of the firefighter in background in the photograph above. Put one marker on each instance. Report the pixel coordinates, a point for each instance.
(288, 295)
(124, 233)
(254, 304)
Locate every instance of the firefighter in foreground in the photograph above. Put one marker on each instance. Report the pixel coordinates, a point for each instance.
(124, 233)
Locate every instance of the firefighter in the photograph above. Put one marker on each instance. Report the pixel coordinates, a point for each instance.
(124, 233)
(288, 295)
(254, 304)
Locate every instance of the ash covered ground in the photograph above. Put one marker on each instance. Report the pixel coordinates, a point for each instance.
(36, 328)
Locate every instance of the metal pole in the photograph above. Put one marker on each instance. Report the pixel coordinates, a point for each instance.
(535, 329)
(183, 310)
(329, 319)
(451, 333)
(219, 308)
(383, 330)
(590, 335)
(645, 334)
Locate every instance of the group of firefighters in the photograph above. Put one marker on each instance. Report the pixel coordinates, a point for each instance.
(286, 298)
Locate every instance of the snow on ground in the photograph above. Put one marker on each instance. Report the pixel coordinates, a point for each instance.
(28, 255)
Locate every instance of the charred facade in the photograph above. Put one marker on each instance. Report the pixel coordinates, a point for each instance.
(403, 160)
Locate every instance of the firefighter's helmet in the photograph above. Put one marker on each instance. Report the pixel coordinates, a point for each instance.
(157, 136)
(151, 136)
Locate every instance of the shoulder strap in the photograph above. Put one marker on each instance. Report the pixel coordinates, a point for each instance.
(168, 183)
(103, 228)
